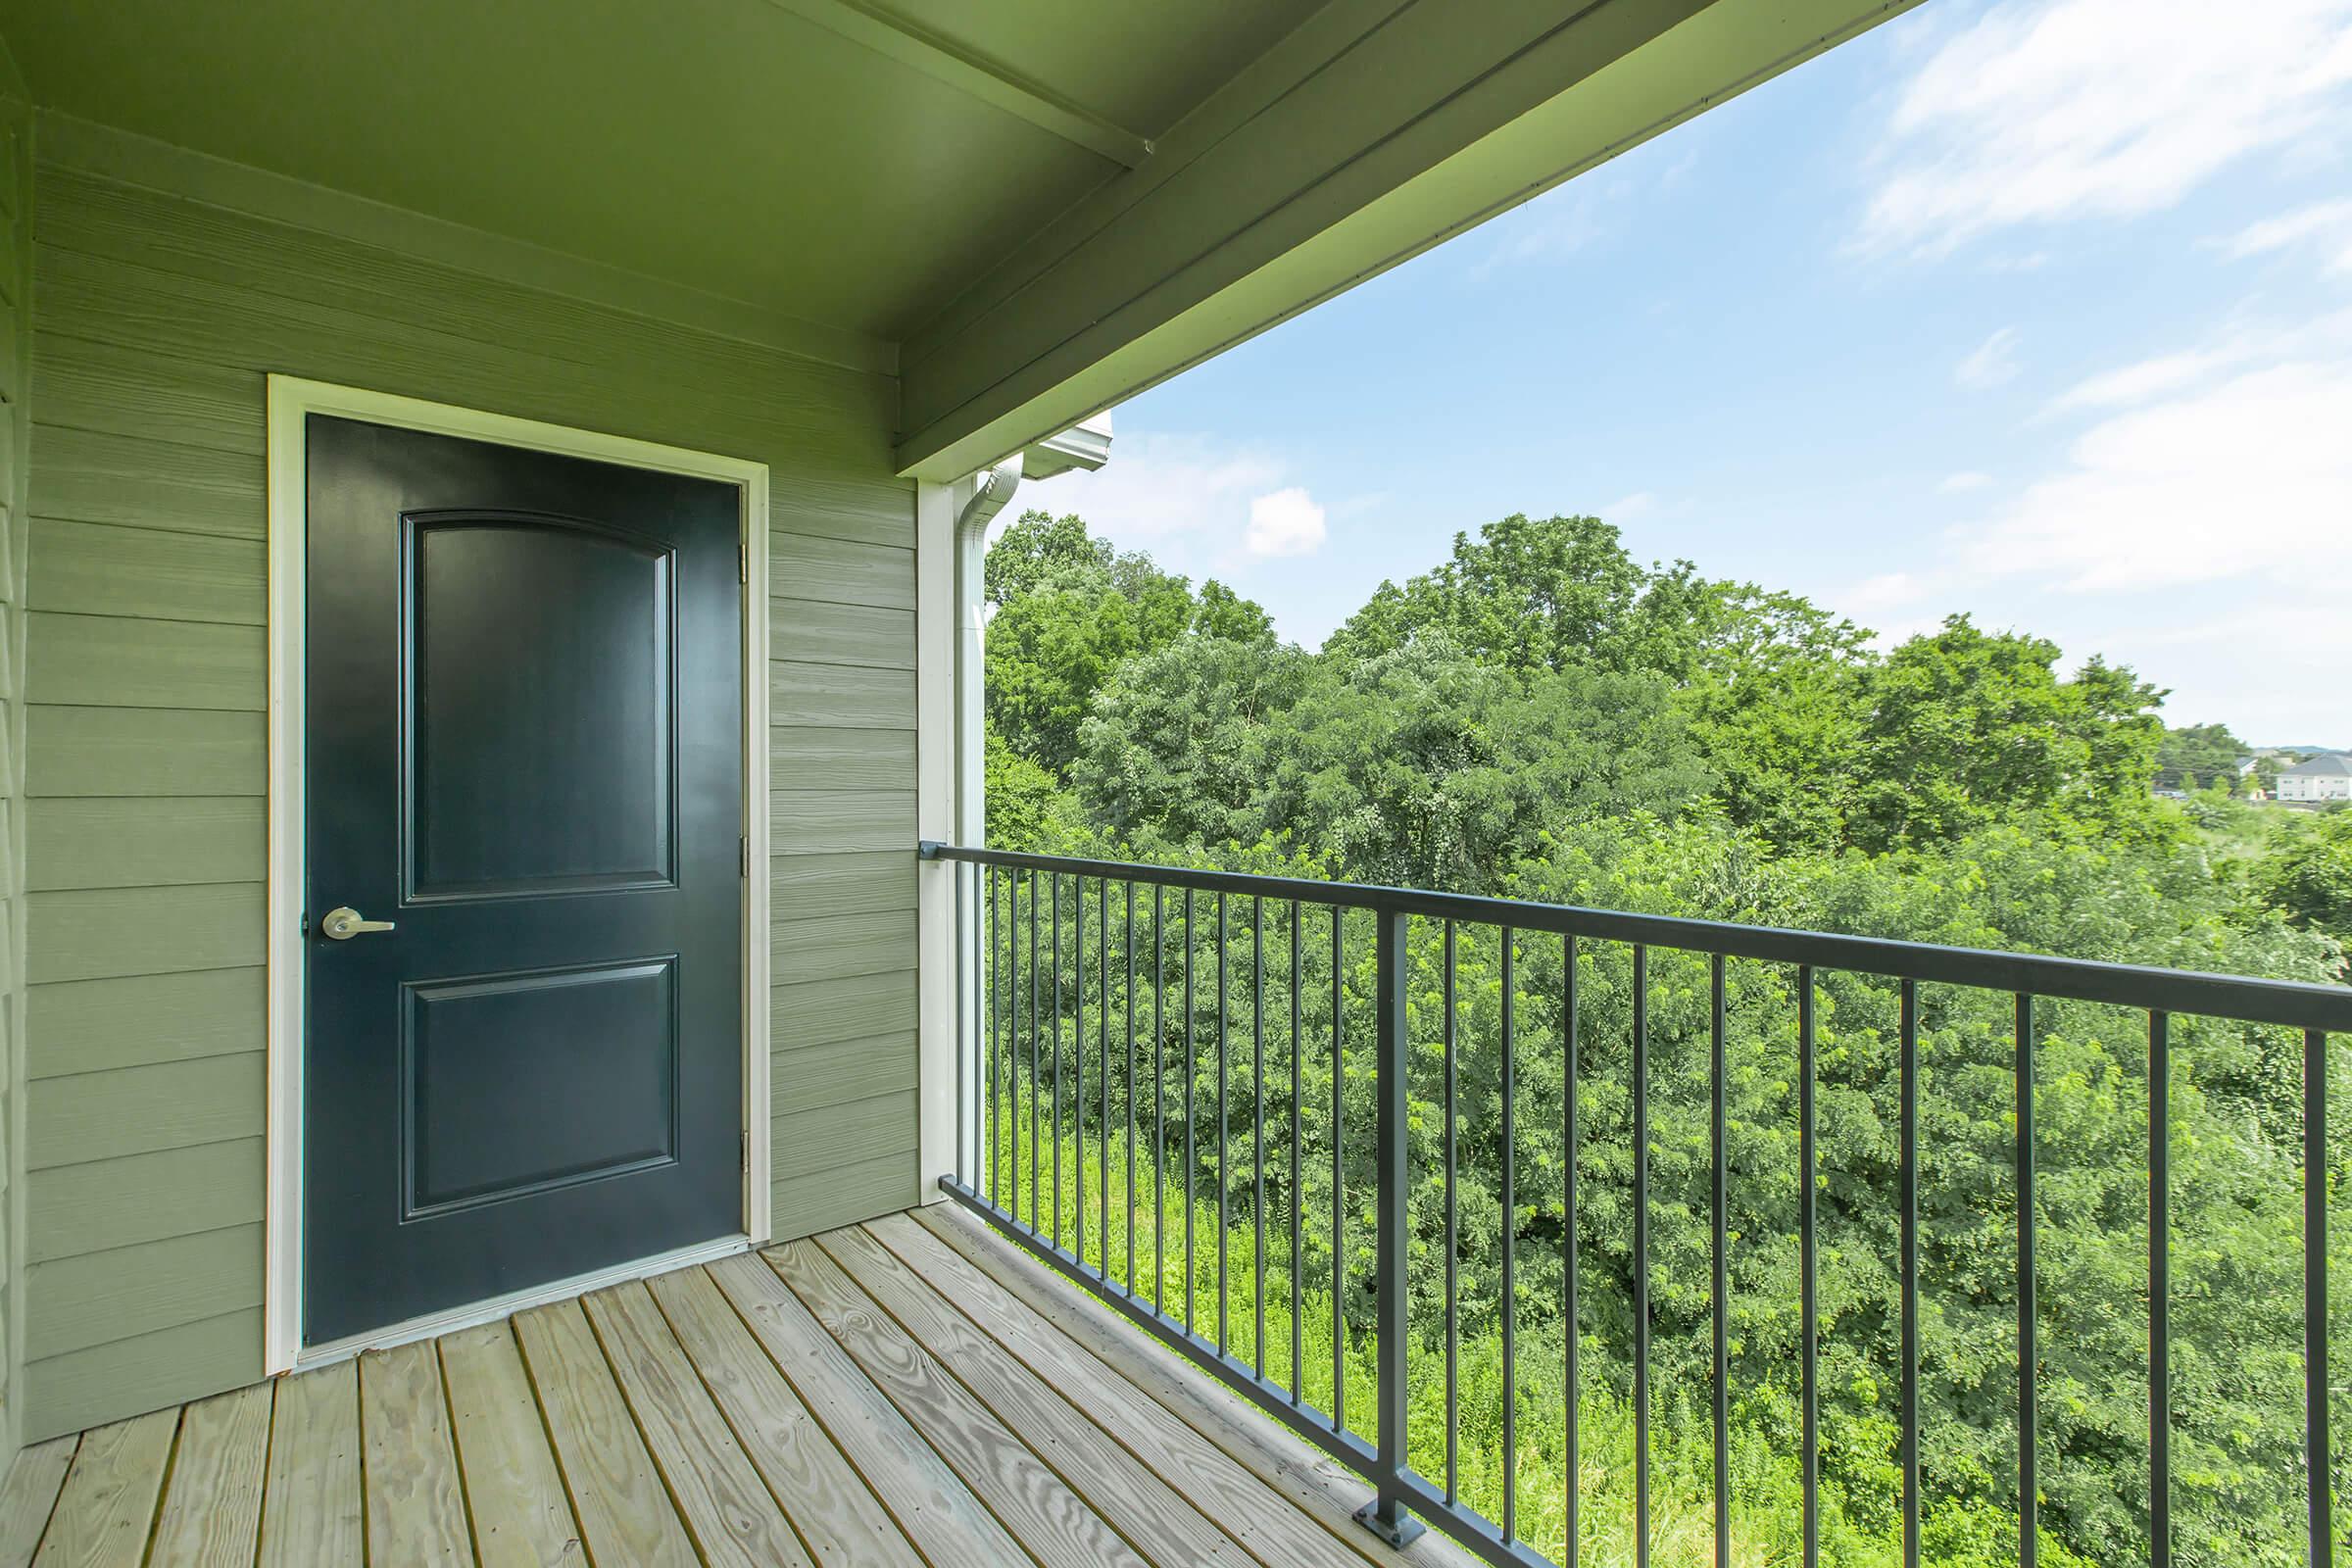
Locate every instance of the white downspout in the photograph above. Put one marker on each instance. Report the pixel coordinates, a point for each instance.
(993, 489)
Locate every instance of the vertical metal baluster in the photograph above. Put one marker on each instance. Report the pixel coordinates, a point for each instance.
(1035, 1109)
(1077, 1151)
(1055, 883)
(988, 1086)
(1808, 1273)
(2315, 1294)
(1453, 1404)
(1258, 1111)
(1571, 1317)
(1510, 1244)
(963, 933)
(1130, 1089)
(1224, 1160)
(1102, 1077)
(1298, 1077)
(1385, 1514)
(2160, 1291)
(1722, 1287)
(1338, 1204)
(2028, 1311)
(1641, 1256)
(1909, 1200)
(1192, 1046)
(1159, 1098)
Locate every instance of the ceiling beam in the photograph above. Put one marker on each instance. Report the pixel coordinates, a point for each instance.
(972, 74)
(1377, 129)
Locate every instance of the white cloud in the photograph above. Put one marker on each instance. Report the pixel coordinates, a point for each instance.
(2323, 225)
(2246, 474)
(1285, 523)
(2137, 383)
(1958, 484)
(1640, 503)
(1991, 363)
(1162, 489)
(2044, 111)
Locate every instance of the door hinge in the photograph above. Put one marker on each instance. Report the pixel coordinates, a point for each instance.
(743, 562)
(742, 1151)
(743, 857)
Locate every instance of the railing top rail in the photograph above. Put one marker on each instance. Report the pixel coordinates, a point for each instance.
(2293, 1004)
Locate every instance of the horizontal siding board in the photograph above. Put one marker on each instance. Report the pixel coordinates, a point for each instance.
(138, 1111)
(835, 946)
(838, 822)
(72, 1209)
(67, 1393)
(108, 569)
(117, 662)
(840, 760)
(73, 1303)
(843, 1070)
(832, 569)
(811, 631)
(92, 216)
(806, 1142)
(145, 751)
(140, 1020)
(83, 384)
(262, 319)
(840, 696)
(145, 841)
(99, 476)
(820, 1011)
(844, 1195)
(803, 887)
(91, 935)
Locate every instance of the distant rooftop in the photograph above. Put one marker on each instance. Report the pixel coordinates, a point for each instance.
(2328, 764)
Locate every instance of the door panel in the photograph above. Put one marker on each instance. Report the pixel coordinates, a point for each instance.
(541, 672)
(524, 717)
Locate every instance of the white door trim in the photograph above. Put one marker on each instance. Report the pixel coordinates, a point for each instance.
(291, 399)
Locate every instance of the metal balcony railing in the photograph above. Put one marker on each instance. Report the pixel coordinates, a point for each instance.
(1101, 1015)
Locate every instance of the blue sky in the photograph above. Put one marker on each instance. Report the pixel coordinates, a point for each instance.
(2039, 309)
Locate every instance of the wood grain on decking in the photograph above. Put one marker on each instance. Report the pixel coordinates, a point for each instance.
(899, 1391)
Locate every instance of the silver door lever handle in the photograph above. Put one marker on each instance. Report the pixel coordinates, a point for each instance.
(342, 925)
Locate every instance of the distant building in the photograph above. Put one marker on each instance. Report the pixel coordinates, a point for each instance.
(2325, 777)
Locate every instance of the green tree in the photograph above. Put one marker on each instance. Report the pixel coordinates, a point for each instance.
(1968, 728)
(2198, 756)
(1069, 611)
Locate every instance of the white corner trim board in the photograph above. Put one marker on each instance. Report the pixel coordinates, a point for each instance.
(291, 401)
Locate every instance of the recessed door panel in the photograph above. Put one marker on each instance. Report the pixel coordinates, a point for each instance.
(540, 692)
(517, 1084)
(524, 1045)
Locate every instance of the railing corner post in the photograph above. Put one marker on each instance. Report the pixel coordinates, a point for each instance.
(1386, 1515)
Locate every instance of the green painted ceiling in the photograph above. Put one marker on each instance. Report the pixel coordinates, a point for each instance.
(724, 144)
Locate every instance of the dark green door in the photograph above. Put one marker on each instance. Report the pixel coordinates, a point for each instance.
(524, 712)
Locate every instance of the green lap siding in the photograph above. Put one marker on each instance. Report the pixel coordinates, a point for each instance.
(141, 851)
(15, 426)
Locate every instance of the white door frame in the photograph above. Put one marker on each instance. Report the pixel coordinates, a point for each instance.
(291, 399)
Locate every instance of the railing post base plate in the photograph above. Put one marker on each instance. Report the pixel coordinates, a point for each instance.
(1390, 1522)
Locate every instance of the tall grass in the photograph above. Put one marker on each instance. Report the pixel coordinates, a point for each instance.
(1766, 1502)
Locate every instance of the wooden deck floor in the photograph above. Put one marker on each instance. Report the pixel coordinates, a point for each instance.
(910, 1390)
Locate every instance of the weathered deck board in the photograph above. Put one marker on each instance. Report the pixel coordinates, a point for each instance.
(212, 1514)
(521, 1514)
(835, 1511)
(311, 1500)
(734, 1519)
(103, 1514)
(615, 1486)
(416, 1504)
(896, 1393)
(29, 1496)
(1058, 1526)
